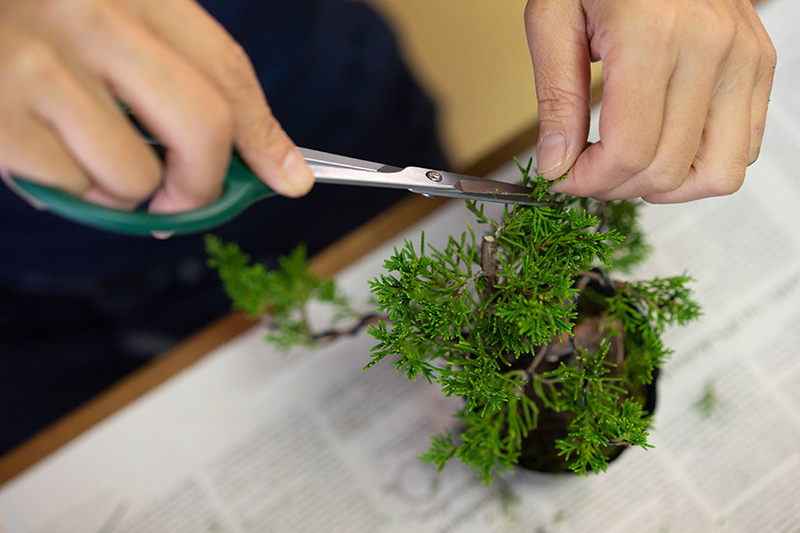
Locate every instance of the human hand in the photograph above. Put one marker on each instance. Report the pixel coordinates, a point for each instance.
(686, 88)
(65, 65)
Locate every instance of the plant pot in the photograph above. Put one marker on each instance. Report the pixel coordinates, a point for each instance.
(539, 450)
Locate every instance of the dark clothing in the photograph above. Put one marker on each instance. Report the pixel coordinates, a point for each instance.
(80, 308)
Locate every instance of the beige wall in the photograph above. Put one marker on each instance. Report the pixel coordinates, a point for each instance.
(472, 57)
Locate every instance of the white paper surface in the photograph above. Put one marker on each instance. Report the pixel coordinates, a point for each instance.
(252, 440)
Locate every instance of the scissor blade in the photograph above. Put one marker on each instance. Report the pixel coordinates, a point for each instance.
(315, 157)
(479, 189)
(340, 170)
(498, 191)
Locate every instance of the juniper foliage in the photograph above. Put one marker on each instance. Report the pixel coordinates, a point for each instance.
(280, 296)
(460, 317)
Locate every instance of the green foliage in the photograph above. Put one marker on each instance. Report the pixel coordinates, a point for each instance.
(279, 296)
(622, 216)
(709, 402)
(471, 317)
(645, 310)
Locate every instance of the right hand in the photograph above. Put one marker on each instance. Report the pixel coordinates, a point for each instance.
(65, 65)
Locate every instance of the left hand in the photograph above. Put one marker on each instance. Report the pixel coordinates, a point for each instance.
(686, 88)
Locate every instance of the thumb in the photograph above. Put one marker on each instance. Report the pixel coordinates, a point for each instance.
(559, 46)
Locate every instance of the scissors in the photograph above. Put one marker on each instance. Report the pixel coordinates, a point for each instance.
(243, 187)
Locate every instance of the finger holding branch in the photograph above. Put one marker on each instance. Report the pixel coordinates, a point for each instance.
(686, 86)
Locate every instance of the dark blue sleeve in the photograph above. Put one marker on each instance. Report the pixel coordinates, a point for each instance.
(276, 34)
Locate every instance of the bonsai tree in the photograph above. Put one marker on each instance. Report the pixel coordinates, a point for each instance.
(554, 360)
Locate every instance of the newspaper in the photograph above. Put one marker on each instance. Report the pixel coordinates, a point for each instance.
(250, 439)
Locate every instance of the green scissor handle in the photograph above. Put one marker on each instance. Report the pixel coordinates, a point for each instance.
(241, 189)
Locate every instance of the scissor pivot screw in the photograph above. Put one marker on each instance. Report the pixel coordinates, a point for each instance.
(434, 176)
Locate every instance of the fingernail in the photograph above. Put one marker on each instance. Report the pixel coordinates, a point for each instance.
(297, 172)
(552, 152)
